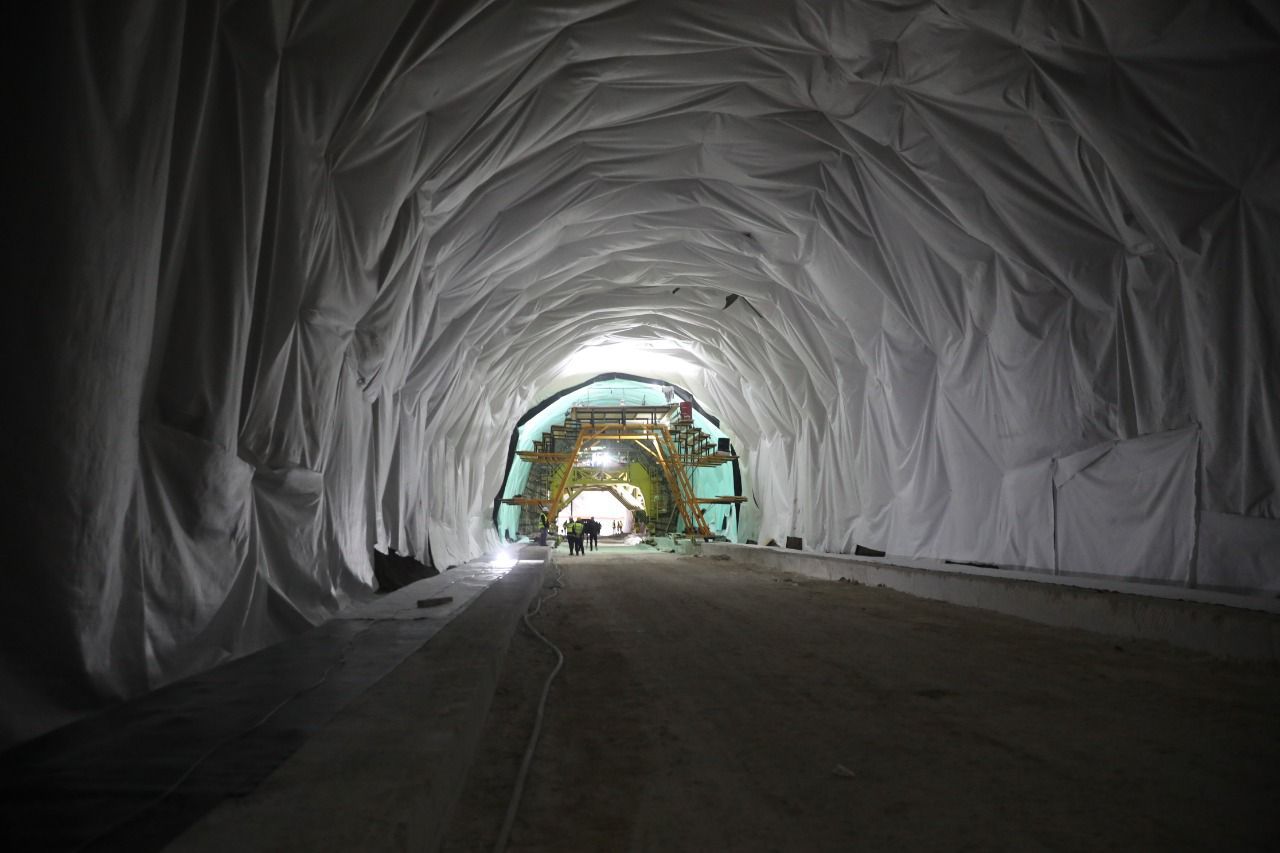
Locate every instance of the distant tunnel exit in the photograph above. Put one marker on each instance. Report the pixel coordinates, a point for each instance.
(620, 509)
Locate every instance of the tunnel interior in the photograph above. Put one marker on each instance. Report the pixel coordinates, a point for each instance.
(982, 282)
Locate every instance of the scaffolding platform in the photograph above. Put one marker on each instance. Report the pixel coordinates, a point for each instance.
(664, 444)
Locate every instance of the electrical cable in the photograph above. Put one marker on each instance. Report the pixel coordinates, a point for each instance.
(513, 807)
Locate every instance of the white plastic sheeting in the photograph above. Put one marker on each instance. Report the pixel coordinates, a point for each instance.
(293, 270)
(1127, 508)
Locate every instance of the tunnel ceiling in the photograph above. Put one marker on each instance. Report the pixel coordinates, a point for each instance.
(989, 281)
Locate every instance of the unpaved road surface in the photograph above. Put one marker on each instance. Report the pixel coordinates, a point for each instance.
(708, 706)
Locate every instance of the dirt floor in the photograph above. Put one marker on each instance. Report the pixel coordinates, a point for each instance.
(708, 706)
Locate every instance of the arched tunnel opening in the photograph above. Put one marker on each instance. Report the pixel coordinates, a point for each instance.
(982, 299)
(568, 446)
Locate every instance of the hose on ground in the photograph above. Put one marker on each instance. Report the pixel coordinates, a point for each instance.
(514, 806)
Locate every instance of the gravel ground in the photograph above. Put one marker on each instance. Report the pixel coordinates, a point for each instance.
(707, 706)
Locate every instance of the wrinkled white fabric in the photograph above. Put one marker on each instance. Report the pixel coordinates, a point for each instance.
(314, 260)
(1127, 508)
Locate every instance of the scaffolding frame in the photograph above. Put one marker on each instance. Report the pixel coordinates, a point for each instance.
(653, 437)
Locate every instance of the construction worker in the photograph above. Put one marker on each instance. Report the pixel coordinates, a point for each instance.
(571, 536)
(579, 529)
(593, 533)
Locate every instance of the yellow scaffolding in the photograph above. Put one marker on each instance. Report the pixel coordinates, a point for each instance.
(655, 438)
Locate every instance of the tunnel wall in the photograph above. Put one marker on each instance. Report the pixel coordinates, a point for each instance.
(987, 282)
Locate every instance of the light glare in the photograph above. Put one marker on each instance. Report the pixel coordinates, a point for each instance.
(649, 359)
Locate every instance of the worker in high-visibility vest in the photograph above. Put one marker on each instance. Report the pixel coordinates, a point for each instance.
(568, 534)
(575, 540)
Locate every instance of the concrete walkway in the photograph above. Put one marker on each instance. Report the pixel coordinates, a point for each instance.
(233, 749)
(1225, 625)
(708, 705)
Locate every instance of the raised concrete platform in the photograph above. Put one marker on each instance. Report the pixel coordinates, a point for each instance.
(1220, 624)
(354, 735)
(671, 544)
(385, 773)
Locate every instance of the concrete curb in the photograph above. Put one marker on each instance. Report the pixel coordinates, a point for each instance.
(1209, 625)
(385, 773)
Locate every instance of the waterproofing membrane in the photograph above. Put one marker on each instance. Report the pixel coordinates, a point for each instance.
(289, 273)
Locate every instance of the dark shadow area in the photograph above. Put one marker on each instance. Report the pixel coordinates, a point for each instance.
(393, 571)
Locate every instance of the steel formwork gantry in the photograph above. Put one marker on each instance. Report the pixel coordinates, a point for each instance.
(661, 441)
(653, 438)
